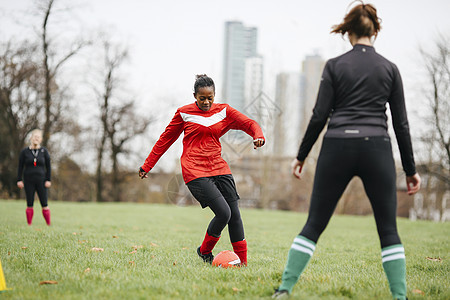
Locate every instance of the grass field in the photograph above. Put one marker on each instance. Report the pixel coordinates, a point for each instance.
(149, 253)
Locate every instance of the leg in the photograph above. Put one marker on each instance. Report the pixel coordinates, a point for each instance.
(222, 216)
(335, 168)
(379, 178)
(227, 187)
(29, 192)
(207, 193)
(236, 231)
(43, 198)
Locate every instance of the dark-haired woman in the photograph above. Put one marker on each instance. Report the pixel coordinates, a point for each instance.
(353, 93)
(34, 168)
(205, 172)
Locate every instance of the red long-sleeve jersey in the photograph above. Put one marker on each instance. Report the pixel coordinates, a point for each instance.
(201, 146)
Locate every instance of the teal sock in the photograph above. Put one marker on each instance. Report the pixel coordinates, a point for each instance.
(394, 264)
(299, 255)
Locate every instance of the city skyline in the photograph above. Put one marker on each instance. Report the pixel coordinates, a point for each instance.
(171, 42)
(166, 49)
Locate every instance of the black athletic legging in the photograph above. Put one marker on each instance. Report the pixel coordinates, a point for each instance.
(339, 161)
(219, 193)
(32, 186)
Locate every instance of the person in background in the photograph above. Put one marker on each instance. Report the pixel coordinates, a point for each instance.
(205, 172)
(353, 94)
(35, 167)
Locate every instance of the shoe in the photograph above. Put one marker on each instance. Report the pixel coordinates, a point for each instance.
(283, 294)
(207, 258)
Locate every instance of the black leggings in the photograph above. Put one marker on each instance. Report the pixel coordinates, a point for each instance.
(219, 193)
(339, 161)
(32, 186)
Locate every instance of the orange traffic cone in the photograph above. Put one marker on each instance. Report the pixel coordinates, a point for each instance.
(2, 280)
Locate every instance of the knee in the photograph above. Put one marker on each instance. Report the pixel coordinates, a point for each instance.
(224, 215)
(235, 219)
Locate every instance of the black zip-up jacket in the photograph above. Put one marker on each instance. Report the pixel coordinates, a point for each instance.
(353, 93)
(42, 170)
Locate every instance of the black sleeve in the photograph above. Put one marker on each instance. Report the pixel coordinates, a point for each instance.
(321, 112)
(48, 170)
(20, 167)
(401, 125)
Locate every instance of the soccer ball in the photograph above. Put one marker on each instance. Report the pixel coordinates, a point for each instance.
(226, 259)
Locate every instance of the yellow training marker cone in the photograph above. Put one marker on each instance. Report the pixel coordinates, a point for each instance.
(2, 280)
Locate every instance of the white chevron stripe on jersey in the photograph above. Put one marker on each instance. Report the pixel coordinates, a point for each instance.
(205, 121)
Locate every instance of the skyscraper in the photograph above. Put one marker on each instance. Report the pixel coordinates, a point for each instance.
(240, 44)
(312, 68)
(253, 79)
(288, 124)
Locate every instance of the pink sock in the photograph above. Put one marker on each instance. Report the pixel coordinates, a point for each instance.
(240, 248)
(29, 212)
(208, 244)
(46, 214)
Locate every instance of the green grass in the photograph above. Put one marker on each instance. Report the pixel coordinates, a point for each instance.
(345, 265)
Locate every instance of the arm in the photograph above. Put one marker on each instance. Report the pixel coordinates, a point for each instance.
(48, 169)
(249, 126)
(20, 170)
(401, 125)
(321, 112)
(167, 138)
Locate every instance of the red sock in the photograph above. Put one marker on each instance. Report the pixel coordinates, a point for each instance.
(240, 248)
(46, 214)
(29, 212)
(208, 243)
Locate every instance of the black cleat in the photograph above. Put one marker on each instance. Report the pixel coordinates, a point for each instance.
(283, 294)
(207, 258)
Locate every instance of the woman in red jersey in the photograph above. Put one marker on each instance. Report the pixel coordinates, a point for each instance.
(205, 172)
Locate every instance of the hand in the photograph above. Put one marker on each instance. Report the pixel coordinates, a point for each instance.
(20, 184)
(142, 174)
(297, 167)
(48, 184)
(413, 183)
(258, 143)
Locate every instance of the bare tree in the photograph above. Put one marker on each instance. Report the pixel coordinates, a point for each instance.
(125, 125)
(119, 122)
(113, 58)
(437, 65)
(19, 106)
(432, 201)
(51, 65)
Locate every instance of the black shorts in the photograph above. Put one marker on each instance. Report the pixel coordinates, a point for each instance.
(207, 189)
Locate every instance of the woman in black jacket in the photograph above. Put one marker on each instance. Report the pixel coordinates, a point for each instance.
(354, 90)
(34, 165)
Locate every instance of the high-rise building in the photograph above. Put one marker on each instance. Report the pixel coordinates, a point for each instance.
(312, 69)
(240, 44)
(253, 79)
(288, 124)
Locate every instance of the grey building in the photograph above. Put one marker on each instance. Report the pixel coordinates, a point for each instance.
(240, 44)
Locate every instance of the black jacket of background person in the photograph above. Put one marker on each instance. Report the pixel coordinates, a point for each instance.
(41, 171)
(353, 92)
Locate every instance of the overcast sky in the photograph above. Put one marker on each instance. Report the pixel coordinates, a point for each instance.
(171, 41)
